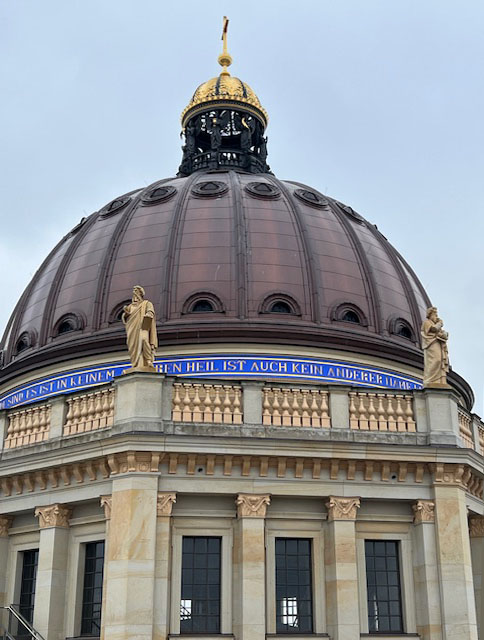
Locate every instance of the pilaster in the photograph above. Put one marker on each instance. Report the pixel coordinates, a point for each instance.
(249, 567)
(442, 417)
(139, 400)
(51, 580)
(339, 407)
(454, 554)
(161, 615)
(425, 570)
(57, 416)
(341, 569)
(252, 402)
(476, 532)
(130, 564)
(5, 524)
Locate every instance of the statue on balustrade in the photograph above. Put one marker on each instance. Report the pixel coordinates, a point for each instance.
(436, 354)
(140, 323)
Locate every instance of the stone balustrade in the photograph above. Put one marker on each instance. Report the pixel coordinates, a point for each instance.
(89, 412)
(290, 407)
(213, 403)
(381, 412)
(465, 428)
(28, 426)
(480, 432)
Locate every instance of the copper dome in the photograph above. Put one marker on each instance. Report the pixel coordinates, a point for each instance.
(221, 254)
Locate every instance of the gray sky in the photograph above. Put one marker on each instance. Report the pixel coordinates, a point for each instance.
(378, 103)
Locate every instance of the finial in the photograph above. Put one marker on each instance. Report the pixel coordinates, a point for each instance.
(225, 59)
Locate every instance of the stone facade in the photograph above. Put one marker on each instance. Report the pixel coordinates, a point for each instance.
(147, 482)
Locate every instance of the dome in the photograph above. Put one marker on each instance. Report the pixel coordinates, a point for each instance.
(224, 90)
(223, 256)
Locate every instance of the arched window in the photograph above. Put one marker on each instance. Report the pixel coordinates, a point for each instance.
(25, 341)
(116, 314)
(351, 316)
(350, 313)
(280, 303)
(68, 323)
(402, 328)
(203, 302)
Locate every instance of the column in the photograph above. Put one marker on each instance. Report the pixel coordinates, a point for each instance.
(454, 554)
(476, 532)
(342, 608)
(130, 562)
(426, 573)
(51, 580)
(161, 614)
(249, 567)
(5, 523)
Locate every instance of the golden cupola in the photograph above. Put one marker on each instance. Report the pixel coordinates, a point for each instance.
(224, 124)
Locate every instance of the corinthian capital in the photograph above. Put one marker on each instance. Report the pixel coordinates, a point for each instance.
(342, 508)
(164, 504)
(476, 527)
(5, 524)
(423, 511)
(107, 503)
(252, 506)
(54, 515)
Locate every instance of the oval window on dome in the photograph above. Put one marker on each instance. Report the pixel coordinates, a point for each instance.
(210, 188)
(263, 190)
(114, 206)
(310, 197)
(159, 194)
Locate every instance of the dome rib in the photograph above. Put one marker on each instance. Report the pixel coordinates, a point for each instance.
(315, 285)
(105, 273)
(241, 246)
(178, 214)
(369, 279)
(55, 288)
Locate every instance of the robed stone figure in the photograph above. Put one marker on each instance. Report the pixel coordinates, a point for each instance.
(436, 355)
(140, 322)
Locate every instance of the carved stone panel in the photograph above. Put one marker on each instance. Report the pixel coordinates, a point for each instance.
(54, 515)
(476, 527)
(164, 503)
(423, 511)
(342, 508)
(252, 506)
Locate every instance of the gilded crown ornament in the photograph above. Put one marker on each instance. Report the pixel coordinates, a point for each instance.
(224, 123)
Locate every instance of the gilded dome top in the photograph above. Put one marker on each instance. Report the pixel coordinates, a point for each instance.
(224, 91)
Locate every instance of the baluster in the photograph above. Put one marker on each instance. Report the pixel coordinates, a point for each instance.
(34, 436)
(69, 417)
(266, 407)
(392, 425)
(98, 407)
(382, 422)
(186, 411)
(295, 409)
(27, 430)
(207, 404)
(372, 412)
(353, 414)
(91, 400)
(217, 402)
(176, 403)
(276, 414)
(237, 404)
(362, 419)
(315, 411)
(197, 412)
(106, 408)
(112, 398)
(325, 419)
(43, 423)
(286, 416)
(306, 420)
(227, 405)
(401, 426)
(77, 414)
(82, 426)
(409, 414)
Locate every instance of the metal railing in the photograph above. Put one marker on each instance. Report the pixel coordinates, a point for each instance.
(15, 627)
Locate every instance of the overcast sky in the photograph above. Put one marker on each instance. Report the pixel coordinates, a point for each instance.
(377, 103)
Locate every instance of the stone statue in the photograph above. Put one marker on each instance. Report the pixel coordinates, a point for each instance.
(436, 355)
(139, 320)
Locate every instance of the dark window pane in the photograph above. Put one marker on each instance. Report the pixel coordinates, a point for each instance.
(383, 586)
(92, 592)
(200, 599)
(27, 585)
(293, 586)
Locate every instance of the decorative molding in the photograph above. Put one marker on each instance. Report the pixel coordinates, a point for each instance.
(134, 462)
(164, 503)
(342, 508)
(424, 511)
(54, 515)
(107, 503)
(476, 527)
(5, 524)
(252, 506)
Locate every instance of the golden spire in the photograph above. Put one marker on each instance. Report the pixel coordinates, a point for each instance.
(225, 59)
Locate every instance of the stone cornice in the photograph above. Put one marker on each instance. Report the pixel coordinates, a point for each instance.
(342, 508)
(423, 511)
(252, 505)
(476, 527)
(164, 503)
(5, 524)
(55, 515)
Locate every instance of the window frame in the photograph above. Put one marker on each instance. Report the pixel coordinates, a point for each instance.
(217, 528)
(300, 529)
(402, 535)
(83, 589)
